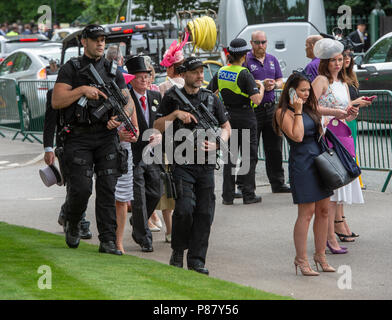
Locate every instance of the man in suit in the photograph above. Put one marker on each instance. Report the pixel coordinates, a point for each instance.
(147, 189)
(360, 38)
(52, 126)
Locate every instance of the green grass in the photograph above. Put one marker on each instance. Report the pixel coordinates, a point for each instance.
(85, 274)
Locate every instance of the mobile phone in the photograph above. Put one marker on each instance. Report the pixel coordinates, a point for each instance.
(292, 94)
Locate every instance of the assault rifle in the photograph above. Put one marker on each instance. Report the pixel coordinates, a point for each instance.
(115, 101)
(205, 119)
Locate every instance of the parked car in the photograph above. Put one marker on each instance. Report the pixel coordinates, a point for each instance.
(33, 64)
(10, 44)
(60, 34)
(374, 72)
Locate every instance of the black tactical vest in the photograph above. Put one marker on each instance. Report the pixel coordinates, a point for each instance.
(75, 115)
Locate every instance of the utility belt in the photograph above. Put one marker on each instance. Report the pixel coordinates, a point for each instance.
(238, 107)
(93, 128)
(267, 104)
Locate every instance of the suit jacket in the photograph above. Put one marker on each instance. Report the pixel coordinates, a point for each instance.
(137, 147)
(354, 36)
(50, 121)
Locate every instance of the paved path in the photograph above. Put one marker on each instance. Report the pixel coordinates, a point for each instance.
(251, 245)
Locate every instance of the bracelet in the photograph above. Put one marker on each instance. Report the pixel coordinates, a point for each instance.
(297, 114)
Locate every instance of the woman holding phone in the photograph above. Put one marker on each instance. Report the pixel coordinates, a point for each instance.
(298, 118)
(332, 93)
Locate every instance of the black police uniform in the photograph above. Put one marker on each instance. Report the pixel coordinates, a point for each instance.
(242, 116)
(90, 147)
(195, 205)
(52, 126)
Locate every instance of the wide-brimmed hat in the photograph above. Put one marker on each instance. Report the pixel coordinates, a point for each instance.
(136, 64)
(51, 175)
(327, 48)
(238, 46)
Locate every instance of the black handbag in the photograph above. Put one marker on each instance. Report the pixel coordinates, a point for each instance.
(332, 171)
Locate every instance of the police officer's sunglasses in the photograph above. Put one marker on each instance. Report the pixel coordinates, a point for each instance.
(257, 42)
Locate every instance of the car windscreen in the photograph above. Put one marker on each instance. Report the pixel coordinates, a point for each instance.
(266, 11)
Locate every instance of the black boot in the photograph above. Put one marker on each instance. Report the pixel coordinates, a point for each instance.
(251, 200)
(199, 268)
(109, 247)
(177, 259)
(72, 234)
(85, 232)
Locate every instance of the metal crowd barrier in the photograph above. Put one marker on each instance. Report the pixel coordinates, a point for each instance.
(33, 98)
(22, 108)
(11, 117)
(374, 138)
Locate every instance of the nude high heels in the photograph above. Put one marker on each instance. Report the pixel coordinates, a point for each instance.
(322, 260)
(305, 268)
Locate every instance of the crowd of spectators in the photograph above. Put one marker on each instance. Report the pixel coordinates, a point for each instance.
(19, 28)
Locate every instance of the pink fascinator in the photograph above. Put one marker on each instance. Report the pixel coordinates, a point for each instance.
(128, 77)
(174, 54)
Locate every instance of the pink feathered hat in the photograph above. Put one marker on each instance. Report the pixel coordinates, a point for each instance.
(174, 54)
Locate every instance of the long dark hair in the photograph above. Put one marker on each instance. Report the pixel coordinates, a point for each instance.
(310, 106)
(351, 75)
(323, 71)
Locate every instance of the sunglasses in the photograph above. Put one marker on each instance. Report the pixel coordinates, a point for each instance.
(348, 55)
(301, 72)
(257, 42)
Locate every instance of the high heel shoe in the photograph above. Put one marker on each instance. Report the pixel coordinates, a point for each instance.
(322, 260)
(344, 237)
(353, 235)
(305, 268)
(334, 251)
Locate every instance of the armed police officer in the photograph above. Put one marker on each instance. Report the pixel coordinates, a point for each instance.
(240, 93)
(91, 144)
(195, 203)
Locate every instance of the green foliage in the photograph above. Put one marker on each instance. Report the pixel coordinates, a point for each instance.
(358, 7)
(26, 11)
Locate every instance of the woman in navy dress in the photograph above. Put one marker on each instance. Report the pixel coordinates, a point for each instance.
(300, 122)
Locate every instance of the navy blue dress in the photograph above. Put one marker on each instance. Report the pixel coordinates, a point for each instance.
(305, 182)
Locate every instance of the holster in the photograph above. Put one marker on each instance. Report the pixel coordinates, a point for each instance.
(170, 186)
(123, 160)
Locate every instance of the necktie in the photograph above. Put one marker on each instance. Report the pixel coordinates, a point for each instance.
(143, 102)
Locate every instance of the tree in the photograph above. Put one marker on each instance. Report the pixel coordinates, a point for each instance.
(27, 11)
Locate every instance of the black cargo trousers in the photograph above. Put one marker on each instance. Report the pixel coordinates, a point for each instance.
(88, 150)
(194, 211)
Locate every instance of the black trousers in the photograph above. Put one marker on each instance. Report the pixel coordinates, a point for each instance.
(241, 119)
(272, 144)
(147, 190)
(84, 154)
(194, 211)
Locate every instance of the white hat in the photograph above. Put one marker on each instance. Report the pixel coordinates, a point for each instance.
(327, 48)
(51, 175)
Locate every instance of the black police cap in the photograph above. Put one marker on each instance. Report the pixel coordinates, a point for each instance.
(93, 31)
(192, 63)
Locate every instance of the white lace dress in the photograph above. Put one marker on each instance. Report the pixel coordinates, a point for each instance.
(337, 96)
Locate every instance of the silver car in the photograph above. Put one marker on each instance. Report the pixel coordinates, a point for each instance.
(26, 66)
(374, 68)
(10, 44)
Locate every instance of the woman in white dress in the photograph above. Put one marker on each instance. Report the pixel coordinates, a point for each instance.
(331, 90)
